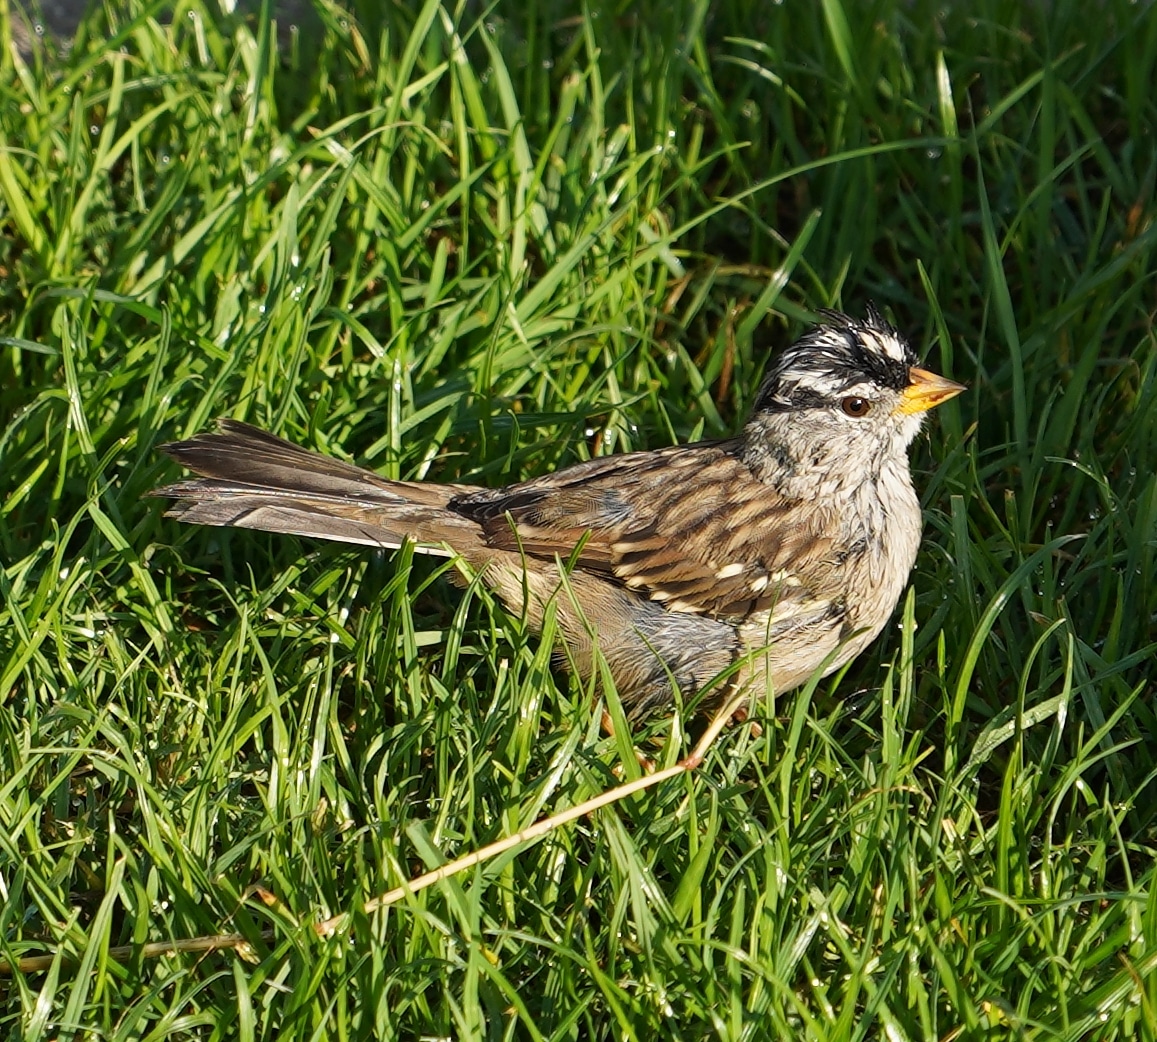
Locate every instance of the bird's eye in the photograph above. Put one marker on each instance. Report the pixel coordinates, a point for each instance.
(856, 406)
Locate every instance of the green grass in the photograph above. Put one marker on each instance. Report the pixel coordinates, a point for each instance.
(482, 242)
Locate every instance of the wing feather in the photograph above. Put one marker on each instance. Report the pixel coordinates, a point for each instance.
(690, 527)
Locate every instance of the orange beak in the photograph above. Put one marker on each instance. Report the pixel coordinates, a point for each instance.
(926, 391)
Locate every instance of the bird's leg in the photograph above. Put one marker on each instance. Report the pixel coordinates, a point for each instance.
(646, 764)
(740, 716)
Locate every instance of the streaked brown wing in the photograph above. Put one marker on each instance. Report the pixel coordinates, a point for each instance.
(690, 527)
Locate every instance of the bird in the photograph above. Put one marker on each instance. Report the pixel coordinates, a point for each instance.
(759, 559)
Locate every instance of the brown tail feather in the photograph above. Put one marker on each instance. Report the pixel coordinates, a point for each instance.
(251, 479)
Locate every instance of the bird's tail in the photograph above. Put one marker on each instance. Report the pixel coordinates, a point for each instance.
(250, 479)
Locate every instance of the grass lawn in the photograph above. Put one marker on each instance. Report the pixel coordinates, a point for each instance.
(479, 242)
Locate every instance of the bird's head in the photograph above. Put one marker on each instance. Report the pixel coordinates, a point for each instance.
(845, 396)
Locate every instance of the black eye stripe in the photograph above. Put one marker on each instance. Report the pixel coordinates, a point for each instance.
(828, 361)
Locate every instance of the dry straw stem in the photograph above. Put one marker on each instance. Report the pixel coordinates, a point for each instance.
(544, 826)
(126, 952)
(328, 927)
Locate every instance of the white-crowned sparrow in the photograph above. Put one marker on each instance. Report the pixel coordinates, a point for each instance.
(781, 547)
